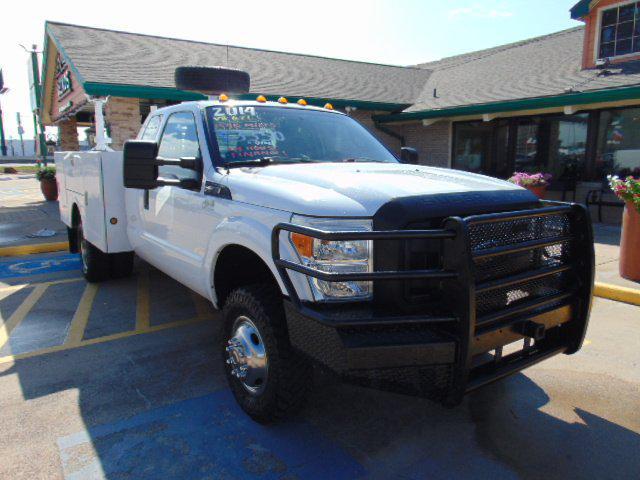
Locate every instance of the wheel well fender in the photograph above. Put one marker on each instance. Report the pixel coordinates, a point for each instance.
(252, 235)
(235, 266)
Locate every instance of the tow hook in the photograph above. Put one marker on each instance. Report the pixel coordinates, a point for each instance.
(531, 329)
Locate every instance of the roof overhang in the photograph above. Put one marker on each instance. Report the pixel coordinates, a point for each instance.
(582, 8)
(526, 104)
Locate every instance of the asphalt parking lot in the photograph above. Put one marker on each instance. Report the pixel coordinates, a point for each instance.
(122, 380)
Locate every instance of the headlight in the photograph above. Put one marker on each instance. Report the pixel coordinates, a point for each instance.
(345, 256)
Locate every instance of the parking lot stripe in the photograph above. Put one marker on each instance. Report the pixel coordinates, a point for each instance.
(10, 288)
(81, 317)
(19, 250)
(13, 288)
(14, 320)
(94, 341)
(142, 304)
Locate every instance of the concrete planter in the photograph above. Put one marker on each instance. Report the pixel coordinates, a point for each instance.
(630, 243)
(539, 191)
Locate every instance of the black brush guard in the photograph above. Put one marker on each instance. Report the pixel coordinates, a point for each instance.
(523, 276)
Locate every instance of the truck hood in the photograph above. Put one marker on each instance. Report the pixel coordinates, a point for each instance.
(349, 189)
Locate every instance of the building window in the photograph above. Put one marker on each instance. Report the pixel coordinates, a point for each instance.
(620, 31)
(618, 150)
(554, 144)
(472, 146)
(527, 158)
(567, 147)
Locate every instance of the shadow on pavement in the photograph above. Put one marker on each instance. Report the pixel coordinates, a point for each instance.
(150, 413)
(157, 406)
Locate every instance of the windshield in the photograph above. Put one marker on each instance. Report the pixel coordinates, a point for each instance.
(254, 133)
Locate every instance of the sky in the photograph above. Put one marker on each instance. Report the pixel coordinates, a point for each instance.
(398, 32)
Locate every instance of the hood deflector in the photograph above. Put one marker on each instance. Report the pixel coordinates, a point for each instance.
(399, 212)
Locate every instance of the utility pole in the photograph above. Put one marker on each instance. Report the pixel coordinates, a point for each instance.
(3, 145)
(20, 132)
(37, 108)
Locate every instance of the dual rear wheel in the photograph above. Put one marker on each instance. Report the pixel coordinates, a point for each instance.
(98, 266)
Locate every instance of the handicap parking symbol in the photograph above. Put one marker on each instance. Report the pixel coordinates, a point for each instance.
(37, 266)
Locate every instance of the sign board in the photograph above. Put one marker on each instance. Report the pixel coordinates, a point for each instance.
(64, 82)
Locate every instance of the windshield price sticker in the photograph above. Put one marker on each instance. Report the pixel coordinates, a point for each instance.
(234, 114)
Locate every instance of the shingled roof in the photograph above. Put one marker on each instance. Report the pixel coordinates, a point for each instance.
(113, 57)
(544, 66)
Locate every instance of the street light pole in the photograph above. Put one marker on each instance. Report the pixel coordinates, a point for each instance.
(37, 113)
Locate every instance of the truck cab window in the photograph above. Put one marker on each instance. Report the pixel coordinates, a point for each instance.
(179, 139)
(151, 130)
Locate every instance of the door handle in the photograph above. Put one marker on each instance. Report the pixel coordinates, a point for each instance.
(208, 203)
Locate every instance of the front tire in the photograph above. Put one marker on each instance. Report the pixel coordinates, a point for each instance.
(268, 379)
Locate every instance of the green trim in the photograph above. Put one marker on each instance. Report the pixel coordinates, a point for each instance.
(336, 102)
(580, 9)
(582, 98)
(142, 91)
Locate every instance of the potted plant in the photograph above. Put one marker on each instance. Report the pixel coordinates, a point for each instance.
(534, 182)
(48, 184)
(628, 190)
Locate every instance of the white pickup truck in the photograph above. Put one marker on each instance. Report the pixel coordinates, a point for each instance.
(322, 248)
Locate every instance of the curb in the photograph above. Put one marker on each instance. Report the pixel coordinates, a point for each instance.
(617, 293)
(35, 248)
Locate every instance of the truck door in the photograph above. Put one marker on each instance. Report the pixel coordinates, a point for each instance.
(176, 225)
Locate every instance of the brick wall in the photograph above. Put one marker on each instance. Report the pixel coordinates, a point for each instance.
(364, 117)
(68, 134)
(122, 116)
(433, 142)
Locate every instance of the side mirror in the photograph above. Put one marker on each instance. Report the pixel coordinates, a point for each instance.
(409, 155)
(141, 162)
(140, 169)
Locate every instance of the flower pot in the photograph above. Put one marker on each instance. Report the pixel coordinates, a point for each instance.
(539, 191)
(49, 188)
(630, 243)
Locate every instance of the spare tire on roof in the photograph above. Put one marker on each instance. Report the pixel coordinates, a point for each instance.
(212, 80)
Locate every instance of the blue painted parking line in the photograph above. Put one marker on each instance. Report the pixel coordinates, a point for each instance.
(206, 437)
(25, 266)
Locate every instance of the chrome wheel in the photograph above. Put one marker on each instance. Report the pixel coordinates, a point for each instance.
(247, 356)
